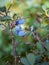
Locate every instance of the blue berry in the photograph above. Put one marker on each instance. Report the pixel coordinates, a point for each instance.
(21, 21)
(47, 41)
(16, 22)
(21, 33)
(17, 28)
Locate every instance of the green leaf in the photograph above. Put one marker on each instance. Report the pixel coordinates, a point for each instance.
(44, 63)
(3, 9)
(5, 18)
(40, 48)
(8, 49)
(47, 46)
(31, 58)
(24, 61)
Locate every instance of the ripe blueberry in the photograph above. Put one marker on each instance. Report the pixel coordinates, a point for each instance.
(16, 22)
(21, 21)
(21, 33)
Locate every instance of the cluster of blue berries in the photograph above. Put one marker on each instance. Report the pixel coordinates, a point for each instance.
(20, 21)
(18, 30)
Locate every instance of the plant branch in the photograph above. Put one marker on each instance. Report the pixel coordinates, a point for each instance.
(13, 44)
(39, 39)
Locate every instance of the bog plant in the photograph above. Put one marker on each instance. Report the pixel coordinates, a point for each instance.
(27, 46)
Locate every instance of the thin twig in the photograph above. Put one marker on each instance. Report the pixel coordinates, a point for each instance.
(13, 43)
(39, 39)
